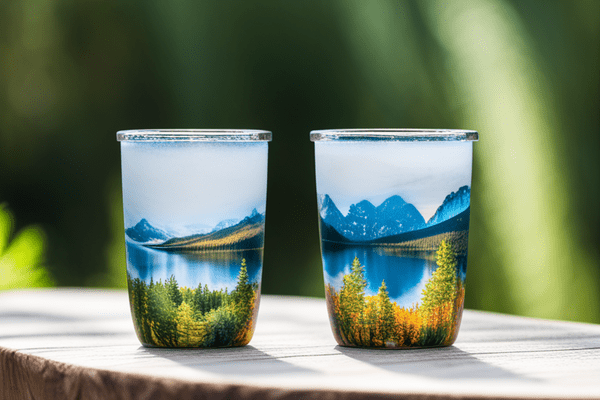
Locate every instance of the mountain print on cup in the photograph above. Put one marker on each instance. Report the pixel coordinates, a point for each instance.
(194, 204)
(217, 304)
(392, 278)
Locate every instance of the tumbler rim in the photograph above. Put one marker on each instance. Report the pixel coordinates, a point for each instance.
(392, 134)
(195, 135)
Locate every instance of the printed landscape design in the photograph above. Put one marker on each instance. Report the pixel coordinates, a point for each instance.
(196, 290)
(393, 279)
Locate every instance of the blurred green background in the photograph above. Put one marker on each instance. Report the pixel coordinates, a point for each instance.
(525, 74)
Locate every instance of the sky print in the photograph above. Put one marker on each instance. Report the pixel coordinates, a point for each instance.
(422, 173)
(178, 185)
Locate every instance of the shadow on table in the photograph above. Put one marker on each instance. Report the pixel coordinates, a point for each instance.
(47, 320)
(441, 363)
(239, 361)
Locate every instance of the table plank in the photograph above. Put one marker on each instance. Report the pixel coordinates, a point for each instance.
(293, 352)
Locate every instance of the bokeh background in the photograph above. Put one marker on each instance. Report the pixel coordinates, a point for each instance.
(525, 74)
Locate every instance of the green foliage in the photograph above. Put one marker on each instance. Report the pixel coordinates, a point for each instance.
(523, 73)
(442, 286)
(21, 256)
(376, 321)
(169, 316)
(386, 314)
(174, 293)
(352, 300)
(432, 336)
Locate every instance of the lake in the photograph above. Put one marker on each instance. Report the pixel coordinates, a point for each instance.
(405, 275)
(217, 269)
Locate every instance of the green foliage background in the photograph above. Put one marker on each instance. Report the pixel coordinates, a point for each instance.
(522, 73)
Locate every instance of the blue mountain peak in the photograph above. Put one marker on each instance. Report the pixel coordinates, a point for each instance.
(144, 232)
(364, 221)
(454, 204)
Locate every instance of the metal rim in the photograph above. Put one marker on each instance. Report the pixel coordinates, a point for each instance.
(397, 135)
(198, 135)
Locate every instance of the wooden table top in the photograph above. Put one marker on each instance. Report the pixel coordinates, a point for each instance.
(80, 343)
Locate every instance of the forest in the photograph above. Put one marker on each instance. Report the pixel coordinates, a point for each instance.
(241, 236)
(459, 240)
(166, 315)
(376, 321)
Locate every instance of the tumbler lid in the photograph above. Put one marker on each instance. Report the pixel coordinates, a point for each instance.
(194, 135)
(397, 135)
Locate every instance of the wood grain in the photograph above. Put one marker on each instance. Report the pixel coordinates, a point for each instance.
(89, 334)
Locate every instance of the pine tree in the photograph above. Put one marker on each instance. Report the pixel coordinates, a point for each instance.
(243, 300)
(222, 327)
(243, 292)
(162, 313)
(352, 301)
(386, 315)
(174, 293)
(442, 285)
(138, 298)
(191, 333)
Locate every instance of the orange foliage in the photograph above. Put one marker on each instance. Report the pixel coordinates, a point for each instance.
(408, 325)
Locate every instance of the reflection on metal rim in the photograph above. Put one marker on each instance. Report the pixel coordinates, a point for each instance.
(397, 135)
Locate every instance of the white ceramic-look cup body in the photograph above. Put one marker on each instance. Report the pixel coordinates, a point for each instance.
(394, 208)
(194, 205)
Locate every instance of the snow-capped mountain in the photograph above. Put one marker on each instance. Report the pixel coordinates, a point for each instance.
(225, 224)
(454, 204)
(367, 222)
(143, 232)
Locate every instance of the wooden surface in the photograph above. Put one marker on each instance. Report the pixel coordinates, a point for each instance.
(292, 352)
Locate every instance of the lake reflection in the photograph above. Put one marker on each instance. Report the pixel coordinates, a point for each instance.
(405, 276)
(217, 269)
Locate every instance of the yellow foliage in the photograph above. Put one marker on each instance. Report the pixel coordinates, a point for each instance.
(192, 333)
(408, 325)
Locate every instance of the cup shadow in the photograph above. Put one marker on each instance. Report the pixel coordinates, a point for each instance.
(440, 363)
(239, 361)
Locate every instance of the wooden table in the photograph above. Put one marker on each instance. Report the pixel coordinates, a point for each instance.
(80, 344)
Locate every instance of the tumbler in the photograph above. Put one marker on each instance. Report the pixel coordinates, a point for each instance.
(194, 206)
(394, 209)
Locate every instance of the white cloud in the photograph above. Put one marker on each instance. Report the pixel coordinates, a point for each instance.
(422, 173)
(186, 183)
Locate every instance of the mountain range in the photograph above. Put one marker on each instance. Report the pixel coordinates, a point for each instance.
(144, 232)
(454, 204)
(227, 235)
(366, 222)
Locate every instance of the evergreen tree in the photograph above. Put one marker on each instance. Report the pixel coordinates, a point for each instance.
(188, 295)
(206, 300)
(198, 300)
(442, 286)
(222, 327)
(191, 333)
(243, 298)
(369, 328)
(352, 300)
(386, 315)
(138, 298)
(243, 293)
(162, 314)
(174, 293)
